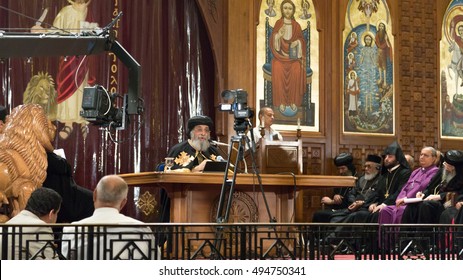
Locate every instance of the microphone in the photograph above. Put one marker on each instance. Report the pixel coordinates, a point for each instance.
(216, 143)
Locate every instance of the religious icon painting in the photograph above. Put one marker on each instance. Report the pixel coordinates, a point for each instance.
(288, 64)
(368, 89)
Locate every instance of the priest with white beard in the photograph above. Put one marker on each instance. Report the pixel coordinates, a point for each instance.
(192, 154)
(365, 192)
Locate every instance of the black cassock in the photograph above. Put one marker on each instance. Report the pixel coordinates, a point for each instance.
(77, 201)
(185, 156)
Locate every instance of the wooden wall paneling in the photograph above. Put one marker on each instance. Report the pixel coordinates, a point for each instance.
(332, 81)
(232, 31)
(418, 111)
(213, 14)
(240, 56)
(308, 201)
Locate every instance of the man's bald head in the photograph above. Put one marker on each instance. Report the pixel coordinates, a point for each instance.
(111, 191)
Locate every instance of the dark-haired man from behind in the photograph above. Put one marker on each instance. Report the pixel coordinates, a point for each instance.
(42, 208)
(192, 154)
(345, 164)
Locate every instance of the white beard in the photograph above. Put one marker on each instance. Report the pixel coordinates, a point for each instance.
(371, 176)
(199, 145)
(447, 176)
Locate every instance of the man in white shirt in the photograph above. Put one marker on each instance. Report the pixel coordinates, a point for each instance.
(109, 241)
(266, 117)
(34, 242)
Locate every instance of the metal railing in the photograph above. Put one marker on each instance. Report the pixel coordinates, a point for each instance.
(290, 241)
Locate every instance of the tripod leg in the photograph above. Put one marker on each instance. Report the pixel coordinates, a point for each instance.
(227, 185)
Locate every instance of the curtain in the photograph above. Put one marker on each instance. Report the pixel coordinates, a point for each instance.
(166, 37)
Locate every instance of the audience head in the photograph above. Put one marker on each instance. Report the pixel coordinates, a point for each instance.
(393, 156)
(3, 113)
(45, 203)
(439, 158)
(428, 157)
(199, 132)
(266, 117)
(111, 191)
(410, 160)
(453, 164)
(344, 163)
(372, 166)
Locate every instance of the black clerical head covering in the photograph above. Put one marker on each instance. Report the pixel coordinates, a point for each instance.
(345, 159)
(395, 149)
(374, 158)
(199, 120)
(454, 157)
(3, 113)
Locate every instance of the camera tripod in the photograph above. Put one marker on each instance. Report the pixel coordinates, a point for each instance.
(228, 187)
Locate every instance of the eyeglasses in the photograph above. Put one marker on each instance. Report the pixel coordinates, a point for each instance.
(368, 166)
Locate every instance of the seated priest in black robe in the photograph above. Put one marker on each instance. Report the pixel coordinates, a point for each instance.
(345, 164)
(193, 153)
(452, 196)
(77, 201)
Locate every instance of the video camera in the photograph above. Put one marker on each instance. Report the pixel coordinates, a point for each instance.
(239, 108)
(98, 108)
(239, 105)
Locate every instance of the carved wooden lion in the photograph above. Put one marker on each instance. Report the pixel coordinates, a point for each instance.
(26, 137)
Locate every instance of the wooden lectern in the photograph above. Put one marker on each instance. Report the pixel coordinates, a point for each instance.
(279, 156)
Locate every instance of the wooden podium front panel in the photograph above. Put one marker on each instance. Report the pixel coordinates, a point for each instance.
(280, 156)
(198, 203)
(201, 203)
(194, 196)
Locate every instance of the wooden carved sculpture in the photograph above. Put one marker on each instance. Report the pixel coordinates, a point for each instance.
(26, 137)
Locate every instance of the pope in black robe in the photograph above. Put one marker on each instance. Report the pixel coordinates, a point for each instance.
(185, 156)
(193, 153)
